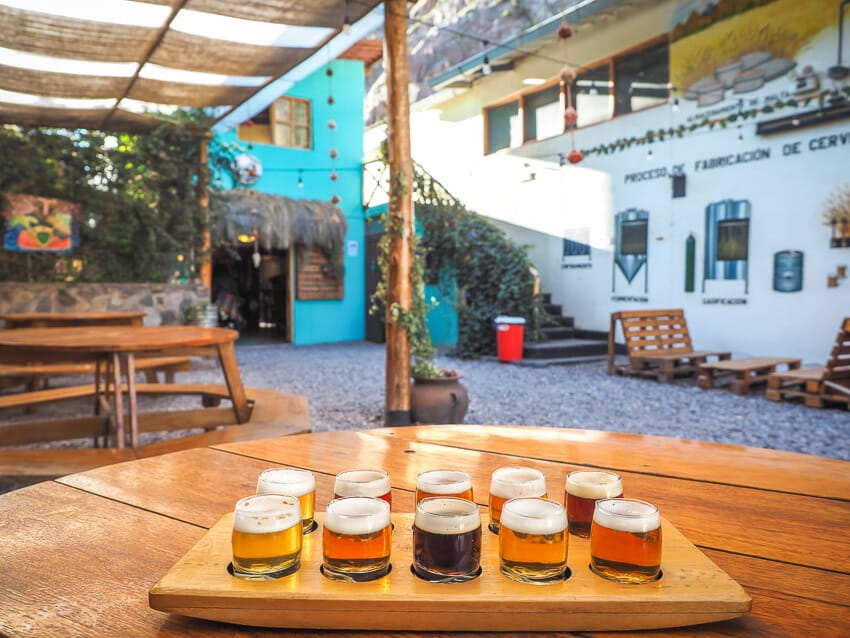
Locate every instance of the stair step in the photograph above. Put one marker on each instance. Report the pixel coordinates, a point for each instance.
(546, 297)
(558, 332)
(562, 361)
(553, 309)
(560, 322)
(564, 348)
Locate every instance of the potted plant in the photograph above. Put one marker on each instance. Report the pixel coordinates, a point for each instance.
(202, 313)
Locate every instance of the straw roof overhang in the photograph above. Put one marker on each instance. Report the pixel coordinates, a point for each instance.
(280, 222)
(139, 61)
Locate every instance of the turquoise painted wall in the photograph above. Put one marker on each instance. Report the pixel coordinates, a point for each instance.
(337, 320)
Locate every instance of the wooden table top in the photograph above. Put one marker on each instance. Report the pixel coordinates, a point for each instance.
(81, 553)
(113, 338)
(48, 319)
(749, 363)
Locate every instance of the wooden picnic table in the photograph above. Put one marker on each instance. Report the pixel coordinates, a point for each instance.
(14, 320)
(744, 372)
(116, 349)
(81, 553)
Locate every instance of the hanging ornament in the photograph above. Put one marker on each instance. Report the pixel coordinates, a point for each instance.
(565, 31)
(570, 116)
(331, 124)
(568, 74)
(574, 156)
(329, 72)
(330, 99)
(246, 169)
(336, 199)
(334, 176)
(333, 154)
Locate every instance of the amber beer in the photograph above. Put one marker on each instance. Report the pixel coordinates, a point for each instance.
(357, 539)
(443, 483)
(447, 539)
(583, 489)
(513, 482)
(372, 483)
(625, 540)
(533, 540)
(266, 536)
(292, 482)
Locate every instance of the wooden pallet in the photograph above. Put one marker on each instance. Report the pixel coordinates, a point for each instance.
(743, 372)
(692, 590)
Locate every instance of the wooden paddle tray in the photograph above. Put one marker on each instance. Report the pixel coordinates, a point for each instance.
(692, 590)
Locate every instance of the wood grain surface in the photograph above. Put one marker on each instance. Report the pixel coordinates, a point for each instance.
(114, 338)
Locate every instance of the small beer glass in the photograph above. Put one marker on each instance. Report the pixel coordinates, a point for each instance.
(372, 483)
(266, 537)
(442, 483)
(533, 540)
(583, 489)
(292, 482)
(625, 540)
(513, 482)
(447, 540)
(356, 539)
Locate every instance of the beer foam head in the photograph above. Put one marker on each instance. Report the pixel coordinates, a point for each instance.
(586, 484)
(444, 482)
(440, 515)
(284, 480)
(627, 515)
(362, 483)
(517, 482)
(354, 515)
(533, 516)
(263, 514)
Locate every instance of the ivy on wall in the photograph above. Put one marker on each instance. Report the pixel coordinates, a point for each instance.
(138, 194)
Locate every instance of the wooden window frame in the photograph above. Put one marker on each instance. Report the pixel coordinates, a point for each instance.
(275, 119)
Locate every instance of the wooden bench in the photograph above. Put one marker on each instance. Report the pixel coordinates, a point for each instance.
(744, 372)
(658, 345)
(817, 386)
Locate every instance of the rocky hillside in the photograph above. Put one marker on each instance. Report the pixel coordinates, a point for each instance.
(441, 33)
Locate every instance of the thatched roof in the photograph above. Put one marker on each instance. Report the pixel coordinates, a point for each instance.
(280, 222)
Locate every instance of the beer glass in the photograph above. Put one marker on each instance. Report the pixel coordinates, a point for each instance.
(292, 482)
(513, 482)
(625, 540)
(373, 483)
(446, 539)
(443, 483)
(583, 489)
(266, 536)
(533, 540)
(356, 539)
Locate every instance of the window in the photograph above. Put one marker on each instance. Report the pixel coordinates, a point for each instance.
(642, 78)
(592, 95)
(543, 115)
(732, 239)
(503, 126)
(290, 121)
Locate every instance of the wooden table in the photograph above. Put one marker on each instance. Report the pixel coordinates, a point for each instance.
(13, 320)
(116, 347)
(81, 553)
(744, 372)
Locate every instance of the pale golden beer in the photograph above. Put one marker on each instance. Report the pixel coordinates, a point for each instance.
(357, 539)
(292, 482)
(266, 536)
(533, 540)
(373, 483)
(443, 483)
(625, 540)
(513, 482)
(447, 540)
(583, 488)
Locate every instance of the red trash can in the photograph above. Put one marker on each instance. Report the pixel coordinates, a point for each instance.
(509, 336)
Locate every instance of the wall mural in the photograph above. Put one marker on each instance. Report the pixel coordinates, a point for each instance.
(727, 237)
(630, 246)
(41, 224)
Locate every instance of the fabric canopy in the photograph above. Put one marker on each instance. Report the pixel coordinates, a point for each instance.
(105, 64)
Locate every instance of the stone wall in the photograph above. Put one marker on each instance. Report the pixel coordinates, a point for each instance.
(165, 304)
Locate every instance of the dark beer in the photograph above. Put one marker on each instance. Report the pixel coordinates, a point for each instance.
(583, 489)
(625, 541)
(447, 539)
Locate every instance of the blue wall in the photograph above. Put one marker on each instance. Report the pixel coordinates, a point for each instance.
(337, 320)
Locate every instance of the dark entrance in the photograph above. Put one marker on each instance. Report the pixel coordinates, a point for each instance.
(375, 329)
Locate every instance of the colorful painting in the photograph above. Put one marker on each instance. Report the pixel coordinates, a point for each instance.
(41, 224)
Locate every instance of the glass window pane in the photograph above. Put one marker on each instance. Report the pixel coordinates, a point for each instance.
(542, 113)
(282, 109)
(641, 79)
(300, 112)
(302, 137)
(503, 127)
(592, 95)
(283, 135)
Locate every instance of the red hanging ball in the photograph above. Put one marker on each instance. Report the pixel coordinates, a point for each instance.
(570, 116)
(330, 99)
(329, 72)
(249, 122)
(574, 157)
(565, 31)
(333, 153)
(331, 124)
(335, 199)
(334, 176)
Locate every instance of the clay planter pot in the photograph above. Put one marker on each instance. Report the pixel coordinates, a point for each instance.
(438, 400)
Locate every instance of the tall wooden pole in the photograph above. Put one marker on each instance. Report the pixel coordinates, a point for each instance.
(400, 216)
(204, 207)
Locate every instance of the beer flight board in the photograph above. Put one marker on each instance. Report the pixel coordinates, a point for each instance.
(692, 590)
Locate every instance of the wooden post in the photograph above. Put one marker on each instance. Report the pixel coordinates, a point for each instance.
(205, 271)
(400, 214)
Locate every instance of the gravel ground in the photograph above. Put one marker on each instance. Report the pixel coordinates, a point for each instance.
(345, 387)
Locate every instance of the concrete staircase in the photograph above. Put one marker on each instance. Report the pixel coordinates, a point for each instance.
(564, 343)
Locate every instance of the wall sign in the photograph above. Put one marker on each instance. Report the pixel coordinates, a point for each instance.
(314, 277)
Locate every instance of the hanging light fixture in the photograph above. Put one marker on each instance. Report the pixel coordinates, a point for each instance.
(346, 22)
(649, 155)
(486, 69)
(300, 178)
